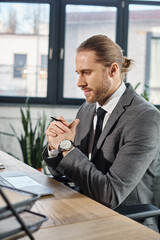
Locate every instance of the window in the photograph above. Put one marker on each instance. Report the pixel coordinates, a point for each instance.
(38, 41)
(81, 23)
(144, 20)
(44, 65)
(24, 27)
(20, 70)
(152, 66)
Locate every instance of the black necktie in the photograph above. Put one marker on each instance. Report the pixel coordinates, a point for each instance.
(100, 116)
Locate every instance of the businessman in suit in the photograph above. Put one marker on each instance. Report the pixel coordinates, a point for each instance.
(118, 167)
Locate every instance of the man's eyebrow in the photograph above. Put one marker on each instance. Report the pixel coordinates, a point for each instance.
(83, 70)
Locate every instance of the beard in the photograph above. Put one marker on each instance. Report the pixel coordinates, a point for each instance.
(99, 95)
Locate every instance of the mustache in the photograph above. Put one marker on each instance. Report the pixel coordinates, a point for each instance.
(88, 89)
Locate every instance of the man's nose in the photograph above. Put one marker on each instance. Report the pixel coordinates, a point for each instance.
(81, 81)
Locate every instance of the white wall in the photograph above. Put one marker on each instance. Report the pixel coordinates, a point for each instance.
(11, 114)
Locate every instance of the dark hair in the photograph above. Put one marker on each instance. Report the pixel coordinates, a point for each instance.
(107, 52)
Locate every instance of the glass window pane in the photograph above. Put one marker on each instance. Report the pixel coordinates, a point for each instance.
(154, 60)
(19, 65)
(144, 20)
(24, 32)
(83, 22)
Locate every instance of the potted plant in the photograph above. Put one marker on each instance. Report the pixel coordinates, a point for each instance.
(32, 138)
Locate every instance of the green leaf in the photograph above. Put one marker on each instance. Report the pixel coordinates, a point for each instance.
(28, 150)
(137, 85)
(8, 134)
(24, 122)
(31, 140)
(14, 131)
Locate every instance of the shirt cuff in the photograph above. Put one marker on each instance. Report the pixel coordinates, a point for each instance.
(52, 153)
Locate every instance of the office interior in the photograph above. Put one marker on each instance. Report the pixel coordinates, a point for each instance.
(38, 48)
(38, 41)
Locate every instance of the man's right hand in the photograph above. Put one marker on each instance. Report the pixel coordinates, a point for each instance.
(60, 130)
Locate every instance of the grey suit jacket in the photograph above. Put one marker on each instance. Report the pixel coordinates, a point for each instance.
(122, 167)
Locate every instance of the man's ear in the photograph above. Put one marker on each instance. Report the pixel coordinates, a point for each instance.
(114, 69)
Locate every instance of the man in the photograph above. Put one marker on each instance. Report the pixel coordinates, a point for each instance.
(119, 169)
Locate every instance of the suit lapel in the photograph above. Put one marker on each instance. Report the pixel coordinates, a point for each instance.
(87, 128)
(124, 101)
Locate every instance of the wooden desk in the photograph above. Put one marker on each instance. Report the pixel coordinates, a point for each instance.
(74, 216)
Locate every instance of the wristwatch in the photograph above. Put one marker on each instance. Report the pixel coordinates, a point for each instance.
(65, 145)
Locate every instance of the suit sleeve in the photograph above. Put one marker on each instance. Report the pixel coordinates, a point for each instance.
(51, 162)
(139, 150)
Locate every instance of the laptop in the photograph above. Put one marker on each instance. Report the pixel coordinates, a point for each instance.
(21, 180)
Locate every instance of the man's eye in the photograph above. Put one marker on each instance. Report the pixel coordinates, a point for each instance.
(86, 73)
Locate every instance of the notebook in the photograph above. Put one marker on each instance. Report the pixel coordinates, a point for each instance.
(21, 180)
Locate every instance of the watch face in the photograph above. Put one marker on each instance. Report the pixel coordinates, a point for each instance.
(65, 144)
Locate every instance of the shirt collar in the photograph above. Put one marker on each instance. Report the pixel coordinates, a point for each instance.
(113, 99)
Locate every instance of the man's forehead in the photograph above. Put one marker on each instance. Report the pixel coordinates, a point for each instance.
(86, 53)
(86, 57)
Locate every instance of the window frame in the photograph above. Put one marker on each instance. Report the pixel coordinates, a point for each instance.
(147, 72)
(148, 61)
(57, 41)
(104, 3)
(52, 63)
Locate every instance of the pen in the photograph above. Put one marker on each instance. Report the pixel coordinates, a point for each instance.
(62, 121)
(53, 118)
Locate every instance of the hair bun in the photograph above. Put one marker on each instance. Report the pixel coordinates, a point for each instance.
(127, 64)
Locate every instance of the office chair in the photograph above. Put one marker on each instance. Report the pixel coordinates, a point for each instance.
(142, 211)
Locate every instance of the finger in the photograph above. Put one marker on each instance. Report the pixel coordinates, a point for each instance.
(63, 120)
(57, 128)
(50, 133)
(74, 124)
(60, 126)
